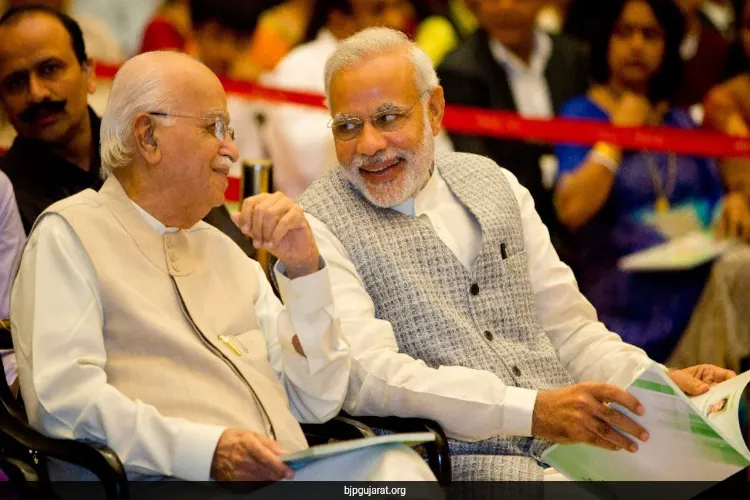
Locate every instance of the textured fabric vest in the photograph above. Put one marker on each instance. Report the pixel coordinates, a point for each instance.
(166, 300)
(423, 290)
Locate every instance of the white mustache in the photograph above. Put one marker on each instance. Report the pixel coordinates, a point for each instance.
(223, 162)
(380, 157)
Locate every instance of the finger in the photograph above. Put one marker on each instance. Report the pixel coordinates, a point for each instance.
(248, 207)
(722, 374)
(270, 460)
(607, 393)
(246, 215)
(273, 445)
(290, 221)
(598, 441)
(273, 215)
(614, 418)
(259, 216)
(609, 434)
(251, 470)
(688, 384)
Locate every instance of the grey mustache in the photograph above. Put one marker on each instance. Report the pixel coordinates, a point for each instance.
(379, 157)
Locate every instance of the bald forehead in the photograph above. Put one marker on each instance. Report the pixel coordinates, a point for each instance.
(190, 84)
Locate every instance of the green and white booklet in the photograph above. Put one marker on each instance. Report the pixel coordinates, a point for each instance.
(306, 457)
(691, 439)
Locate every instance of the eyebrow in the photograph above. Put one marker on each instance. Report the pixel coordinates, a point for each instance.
(36, 64)
(216, 113)
(344, 116)
(386, 106)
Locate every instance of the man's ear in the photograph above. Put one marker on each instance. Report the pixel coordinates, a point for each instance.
(436, 108)
(146, 141)
(88, 68)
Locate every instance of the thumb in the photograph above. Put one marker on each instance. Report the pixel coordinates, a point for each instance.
(236, 217)
(689, 384)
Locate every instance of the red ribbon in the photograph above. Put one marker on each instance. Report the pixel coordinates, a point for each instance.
(508, 125)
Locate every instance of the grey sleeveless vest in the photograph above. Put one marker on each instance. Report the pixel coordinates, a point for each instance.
(440, 312)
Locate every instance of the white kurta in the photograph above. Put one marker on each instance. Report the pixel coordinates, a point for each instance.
(57, 292)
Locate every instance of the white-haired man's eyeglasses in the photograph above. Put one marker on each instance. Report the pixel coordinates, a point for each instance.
(218, 127)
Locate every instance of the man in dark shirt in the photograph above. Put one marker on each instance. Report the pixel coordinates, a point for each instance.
(45, 78)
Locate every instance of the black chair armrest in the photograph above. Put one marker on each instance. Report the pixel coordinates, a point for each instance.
(100, 460)
(438, 452)
(6, 341)
(23, 481)
(339, 428)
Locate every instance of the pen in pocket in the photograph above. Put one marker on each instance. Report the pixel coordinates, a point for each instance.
(503, 251)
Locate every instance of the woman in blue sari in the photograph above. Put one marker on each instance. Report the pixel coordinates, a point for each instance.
(610, 197)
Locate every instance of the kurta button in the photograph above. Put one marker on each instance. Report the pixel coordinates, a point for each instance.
(488, 335)
(516, 371)
(474, 289)
(176, 267)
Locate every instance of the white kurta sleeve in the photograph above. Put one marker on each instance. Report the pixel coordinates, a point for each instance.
(315, 383)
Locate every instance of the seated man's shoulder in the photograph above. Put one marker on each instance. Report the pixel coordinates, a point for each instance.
(472, 164)
(460, 158)
(80, 202)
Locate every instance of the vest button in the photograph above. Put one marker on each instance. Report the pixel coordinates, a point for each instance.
(474, 289)
(516, 371)
(488, 336)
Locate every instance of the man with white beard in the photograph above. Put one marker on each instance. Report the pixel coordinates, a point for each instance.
(454, 303)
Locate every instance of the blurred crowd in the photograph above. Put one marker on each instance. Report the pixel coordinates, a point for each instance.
(678, 63)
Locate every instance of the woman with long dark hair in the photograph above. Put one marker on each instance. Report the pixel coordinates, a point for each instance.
(616, 201)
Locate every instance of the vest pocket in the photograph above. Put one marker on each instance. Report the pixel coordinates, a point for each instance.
(251, 344)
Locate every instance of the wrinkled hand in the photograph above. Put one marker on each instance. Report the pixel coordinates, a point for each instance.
(579, 414)
(698, 379)
(276, 223)
(632, 110)
(735, 218)
(243, 455)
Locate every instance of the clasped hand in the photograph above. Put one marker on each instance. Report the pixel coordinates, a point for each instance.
(276, 223)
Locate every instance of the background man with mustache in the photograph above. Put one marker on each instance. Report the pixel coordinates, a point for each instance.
(45, 78)
(454, 303)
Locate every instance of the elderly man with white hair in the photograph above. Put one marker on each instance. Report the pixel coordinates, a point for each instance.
(141, 327)
(449, 292)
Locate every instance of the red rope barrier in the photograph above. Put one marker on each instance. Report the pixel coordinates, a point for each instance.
(508, 125)
(503, 124)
